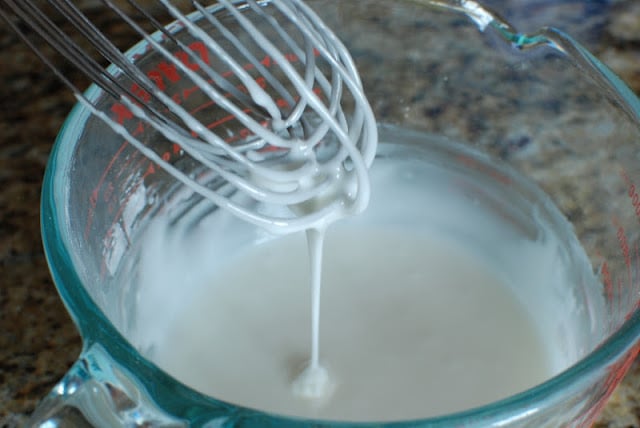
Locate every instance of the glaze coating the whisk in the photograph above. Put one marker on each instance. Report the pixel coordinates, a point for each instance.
(281, 119)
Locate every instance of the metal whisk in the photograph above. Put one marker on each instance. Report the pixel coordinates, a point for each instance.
(296, 124)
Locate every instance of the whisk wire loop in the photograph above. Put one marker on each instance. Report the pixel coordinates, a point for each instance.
(271, 68)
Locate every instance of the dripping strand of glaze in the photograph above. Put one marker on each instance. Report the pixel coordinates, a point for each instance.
(314, 383)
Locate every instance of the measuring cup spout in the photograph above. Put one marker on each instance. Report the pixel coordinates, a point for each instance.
(97, 392)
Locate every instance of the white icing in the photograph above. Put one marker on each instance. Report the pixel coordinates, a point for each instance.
(413, 325)
(440, 253)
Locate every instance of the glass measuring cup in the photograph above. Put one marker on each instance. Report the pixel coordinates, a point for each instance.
(549, 110)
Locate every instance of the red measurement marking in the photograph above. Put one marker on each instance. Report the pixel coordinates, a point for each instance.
(124, 166)
(472, 163)
(632, 192)
(262, 82)
(122, 113)
(636, 283)
(619, 300)
(156, 78)
(616, 373)
(225, 119)
(201, 49)
(633, 293)
(151, 169)
(624, 245)
(93, 198)
(108, 236)
(202, 107)
(186, 60)
(162, 74)
(107, 192)
(166, 73)
(632, 286)
(245, 133)
(608, 282)
(139, 129)
(186, 93)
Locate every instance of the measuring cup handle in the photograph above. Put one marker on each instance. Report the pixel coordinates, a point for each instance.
(96, 392)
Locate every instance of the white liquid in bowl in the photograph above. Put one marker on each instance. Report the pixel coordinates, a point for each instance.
(449, 292)
(411, 326)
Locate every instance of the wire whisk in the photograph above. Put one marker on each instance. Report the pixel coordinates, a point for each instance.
(281, 117)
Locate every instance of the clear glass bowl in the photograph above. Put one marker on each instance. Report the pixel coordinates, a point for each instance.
(452, 70)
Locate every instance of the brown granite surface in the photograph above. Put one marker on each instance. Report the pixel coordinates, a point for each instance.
(38, 341)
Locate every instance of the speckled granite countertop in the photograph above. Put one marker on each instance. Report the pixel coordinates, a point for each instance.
(38, 341)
